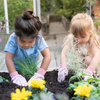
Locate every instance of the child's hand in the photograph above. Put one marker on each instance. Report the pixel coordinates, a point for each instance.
(62, 73)
(18, 79)
(90, 70)
(36, 76)
(40, 74)
(87, 77)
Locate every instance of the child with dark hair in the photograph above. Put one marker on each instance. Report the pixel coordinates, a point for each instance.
(26, 41)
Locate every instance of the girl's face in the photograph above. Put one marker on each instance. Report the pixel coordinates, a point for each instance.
(26, 42)
(82, 39)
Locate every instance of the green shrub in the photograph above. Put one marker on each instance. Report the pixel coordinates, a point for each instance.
(72, 7)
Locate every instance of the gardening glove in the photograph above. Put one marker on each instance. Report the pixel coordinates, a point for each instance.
(18, 79)
(40, 74)
(90, 70)
(63, 71)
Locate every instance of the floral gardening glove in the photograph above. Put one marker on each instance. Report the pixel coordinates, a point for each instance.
(40, 74)
(18, 79)
(63, 71)
(90, 70)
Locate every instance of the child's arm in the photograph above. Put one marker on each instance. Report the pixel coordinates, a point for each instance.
(46, 58)
(16, 78)
(63, 71)
(96, 56)
(45, 63)
(93, 66)
(63, 57)
(9, 62)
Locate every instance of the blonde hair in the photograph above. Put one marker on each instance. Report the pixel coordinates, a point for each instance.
(82, 24)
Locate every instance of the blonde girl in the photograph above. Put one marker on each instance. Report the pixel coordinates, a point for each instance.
(82, 31)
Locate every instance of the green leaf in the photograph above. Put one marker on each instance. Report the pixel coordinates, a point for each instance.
(72, 78)
(5, 79)
(79, 74)
(36, 98)
(1, 80)
(45, 89)
(86, 74)
(71, 86)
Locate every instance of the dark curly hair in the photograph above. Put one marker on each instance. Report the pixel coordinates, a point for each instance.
(27, 25)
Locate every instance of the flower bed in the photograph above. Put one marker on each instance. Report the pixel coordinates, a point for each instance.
(72, 87)
(6, 88)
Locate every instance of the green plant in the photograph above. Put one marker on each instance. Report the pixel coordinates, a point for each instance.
(49, 7)
(45, 96)
(27, 66)
(21, 95)
(62, 96)
(72, 7)
(3, 79)
(3, 24)
(74, 59)
(36, 91)
(2, 13)
(94, 94)
(15, 8)
(36, 94)
(79, 76)
(93, 2)
(37, 86)
(97, 24)
(46, 6)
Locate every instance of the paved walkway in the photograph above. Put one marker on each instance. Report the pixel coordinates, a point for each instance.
(2, 62)
(54, 40)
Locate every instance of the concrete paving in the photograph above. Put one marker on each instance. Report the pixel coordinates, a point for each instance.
(55, 46)
(54, 40)
(56, 28)
(3, 67)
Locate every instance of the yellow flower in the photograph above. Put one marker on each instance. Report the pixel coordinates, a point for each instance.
(83, 90)
(20, 95)
(37, 83)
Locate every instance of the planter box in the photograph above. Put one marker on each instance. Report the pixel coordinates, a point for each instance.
(66, 23)
(51, 83)
(45, 28)
(54, 18)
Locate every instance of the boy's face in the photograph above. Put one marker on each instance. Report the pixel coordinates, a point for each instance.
(26, 42)
(82, 39)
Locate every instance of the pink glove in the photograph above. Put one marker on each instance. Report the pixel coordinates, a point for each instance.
(40, 74)
(18, 79)
(63, 71)
(90, 70)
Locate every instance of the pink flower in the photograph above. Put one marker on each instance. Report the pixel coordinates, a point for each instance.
(0, 40)
(1, 23)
